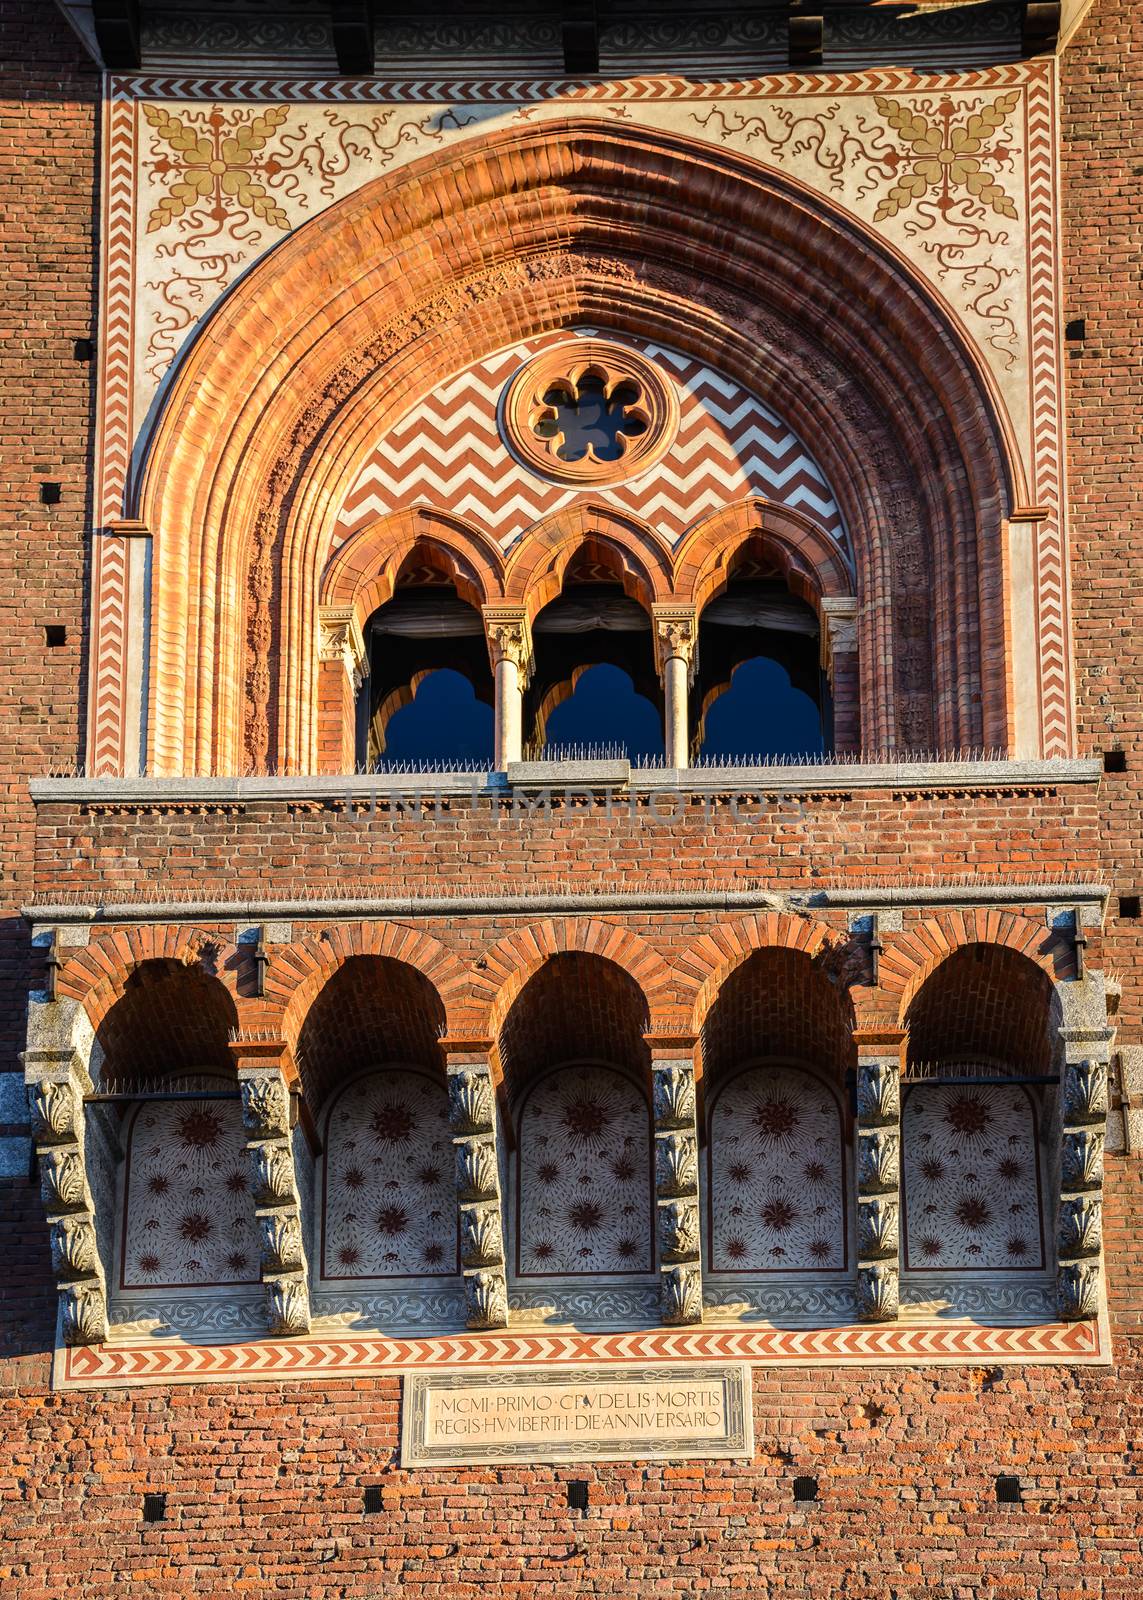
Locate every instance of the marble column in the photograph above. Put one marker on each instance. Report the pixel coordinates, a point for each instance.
(676, 653)
(510, 651)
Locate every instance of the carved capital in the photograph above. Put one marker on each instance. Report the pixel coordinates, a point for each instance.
(681, 1296)
(84, 1307)
(878, 1292)
(839, 629)
(877, 1228)
(676, 1165)
(56, 1110)
(1084, 1091)
(676, 637)
(281, 1235)
(75, 1252)
(340, 639)
(878, 1161)
(678, 1231)
(477, 1177)
(471, 1103)
(266, 1106)
(63, 1182)
(509, 639)
(1081, 1159)
(273, 1173)
(673, 1095)
(287, 1304)
(1079, 1230)
(1077, 1290)
(878, 1092)
(485, 1299)
(481, 1236)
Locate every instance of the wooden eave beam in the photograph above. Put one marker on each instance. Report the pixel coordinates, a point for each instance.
(116, 24)
(580, 29)
(353, 37)
(806, 29)
(1041, 26)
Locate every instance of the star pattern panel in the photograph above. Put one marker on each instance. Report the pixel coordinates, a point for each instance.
(188, 1214)
(971, 1177)
(777, 1200)
(389, 1199)
(584, 1176)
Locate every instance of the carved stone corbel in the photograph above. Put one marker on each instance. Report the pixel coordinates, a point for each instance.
(56, 1083)
(839, 635)
(676, 1191)
(277, 1201)
(676, 638)
(878, 1162)
(472, 1120)
(509, 639)
(1087, 1038)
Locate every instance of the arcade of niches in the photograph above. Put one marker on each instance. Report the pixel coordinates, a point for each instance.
(339, 1057)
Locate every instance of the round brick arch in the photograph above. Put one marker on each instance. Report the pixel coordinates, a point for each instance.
(297, 972)
(641, 560)
(911, 958)
(505, 969)
(704, 966)
(347, 324)
(96, 974)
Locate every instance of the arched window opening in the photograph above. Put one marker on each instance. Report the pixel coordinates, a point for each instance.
(776, 1046)
(186, 1212)
(428, 693)
(761, 689)
(576, 1069)
(978, 1090)
(368, 1052)
(594, 682)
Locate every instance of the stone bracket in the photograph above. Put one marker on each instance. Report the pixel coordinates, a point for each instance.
(472, 1119)
(676, 1191)
(277, 1201)
(1087, 1038)
(56, 1084)
(877, 1136)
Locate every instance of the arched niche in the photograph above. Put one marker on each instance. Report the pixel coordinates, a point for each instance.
(351, 319)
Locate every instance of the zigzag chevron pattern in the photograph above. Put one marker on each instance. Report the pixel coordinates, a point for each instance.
(1052, 575)
(130, 1365)
(500, 90)
(111, 580)
(448, 452)
(118, 310)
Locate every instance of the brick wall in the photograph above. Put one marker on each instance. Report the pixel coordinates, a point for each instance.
(265, 1484)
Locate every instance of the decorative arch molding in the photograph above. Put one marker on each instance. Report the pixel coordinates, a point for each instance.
(362, 573)
(641, 559)
(506, 968)
(704, 968)
(300, 971)
(285, 388)
(911, 958)
(96, 974)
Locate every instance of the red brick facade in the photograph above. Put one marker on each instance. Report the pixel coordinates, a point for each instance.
(265, 1482)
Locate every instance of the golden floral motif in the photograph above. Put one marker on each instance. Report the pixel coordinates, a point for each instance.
(946, 155)
(218, 164)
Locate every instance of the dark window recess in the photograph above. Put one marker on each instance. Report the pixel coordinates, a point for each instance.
(1128, 905)
(760, 689)
(805, 1488)
(1075, 330)
(85, 349)
(1008, 1490)
(595, 683)
(372, 1499)
(428, 698)
(50, 494)
(55, 634)
(1115, 761)
(577, 1495)
(154, 1507)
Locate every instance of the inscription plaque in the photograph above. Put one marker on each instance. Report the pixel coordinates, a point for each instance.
(576, 1414)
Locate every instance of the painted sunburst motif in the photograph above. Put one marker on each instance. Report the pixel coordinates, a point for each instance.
(390, 1199)
(972, 1192)
(776, 1175)
(189, 1216)
(584, 1176)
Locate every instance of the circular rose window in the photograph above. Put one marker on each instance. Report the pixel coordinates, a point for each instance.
(590, 411)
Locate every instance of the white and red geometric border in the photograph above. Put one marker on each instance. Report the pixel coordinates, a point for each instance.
(131, 1364)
